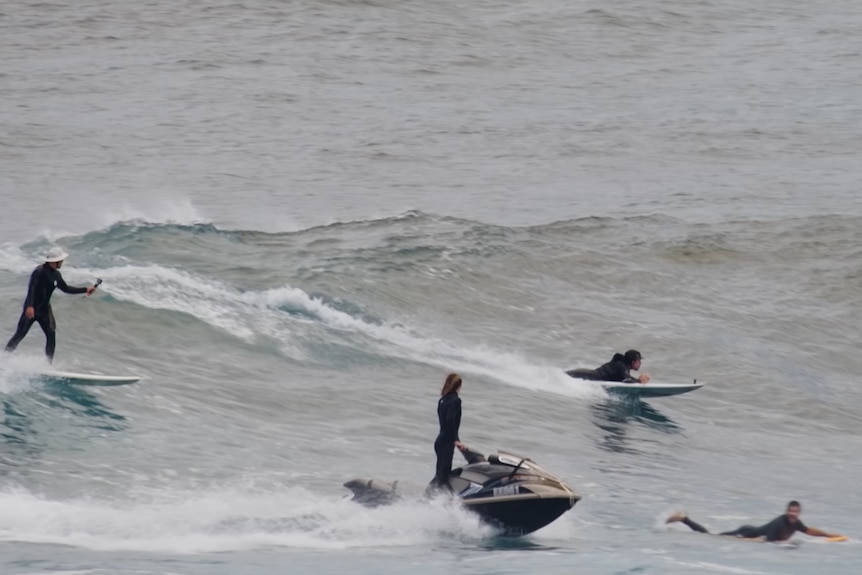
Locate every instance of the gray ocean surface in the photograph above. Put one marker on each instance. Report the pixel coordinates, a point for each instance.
(306, 213)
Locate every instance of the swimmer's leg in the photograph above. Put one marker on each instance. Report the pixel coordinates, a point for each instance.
(679, 516)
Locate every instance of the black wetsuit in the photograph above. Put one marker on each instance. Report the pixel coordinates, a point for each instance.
(617, 369)
(42, 283)
(779, 529)
(449, 415)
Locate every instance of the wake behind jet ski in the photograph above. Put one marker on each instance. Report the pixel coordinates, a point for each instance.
(508, 491)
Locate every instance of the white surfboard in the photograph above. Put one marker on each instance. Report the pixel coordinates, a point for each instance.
(651, 389)
(86, 378)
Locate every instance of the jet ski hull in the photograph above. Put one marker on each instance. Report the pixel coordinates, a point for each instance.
(521, 517)
(509, 492)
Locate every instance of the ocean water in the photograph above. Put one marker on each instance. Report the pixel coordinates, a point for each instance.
(306, 214)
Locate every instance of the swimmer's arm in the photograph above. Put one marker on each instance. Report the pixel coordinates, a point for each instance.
(64, 287)
(814, 532)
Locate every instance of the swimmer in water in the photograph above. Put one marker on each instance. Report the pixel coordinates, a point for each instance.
(779, 529)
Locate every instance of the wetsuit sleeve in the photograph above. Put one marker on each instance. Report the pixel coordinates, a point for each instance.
(619, 372)
(612, 371)
(456, 418)
(451, 420)
(31, 289)
(800, 526)
(64, 287)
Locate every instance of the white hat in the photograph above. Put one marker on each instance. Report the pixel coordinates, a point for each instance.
(56, 254)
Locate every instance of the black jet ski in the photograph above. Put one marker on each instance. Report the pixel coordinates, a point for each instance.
(510, 492)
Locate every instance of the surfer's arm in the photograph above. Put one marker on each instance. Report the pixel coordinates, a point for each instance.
(31, 289)
(642, 378)
(64, 287)
(619, 373)
(814, 532)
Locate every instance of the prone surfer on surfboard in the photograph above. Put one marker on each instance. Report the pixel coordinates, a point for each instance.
(779, 529)
(37, 305)
(617, 369)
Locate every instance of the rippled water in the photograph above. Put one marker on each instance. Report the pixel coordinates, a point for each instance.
(306, 214)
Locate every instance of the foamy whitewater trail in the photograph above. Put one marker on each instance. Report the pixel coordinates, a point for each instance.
(230, 519)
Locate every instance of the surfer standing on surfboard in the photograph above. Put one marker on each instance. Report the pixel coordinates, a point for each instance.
(779, 529)
(37, 305)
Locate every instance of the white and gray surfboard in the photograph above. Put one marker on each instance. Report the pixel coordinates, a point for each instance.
(86, 378)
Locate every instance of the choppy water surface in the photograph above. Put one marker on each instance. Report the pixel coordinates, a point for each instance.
(306, 214)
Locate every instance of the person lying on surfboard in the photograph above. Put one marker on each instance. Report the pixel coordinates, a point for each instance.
(617, 369)
(37, 304)
(779, 529)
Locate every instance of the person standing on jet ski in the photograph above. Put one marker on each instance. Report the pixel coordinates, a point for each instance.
(617, 369)
(449, 416)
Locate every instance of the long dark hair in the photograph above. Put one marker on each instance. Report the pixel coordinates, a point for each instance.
(451, 385)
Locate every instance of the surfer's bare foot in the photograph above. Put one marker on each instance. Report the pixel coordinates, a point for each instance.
(678, 516)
